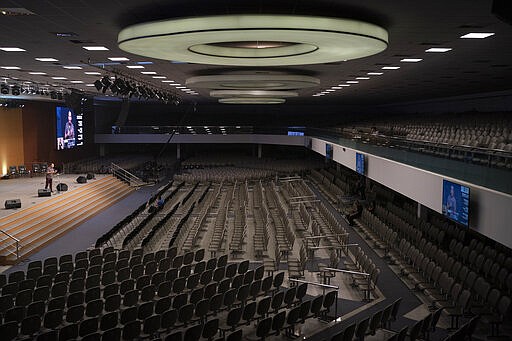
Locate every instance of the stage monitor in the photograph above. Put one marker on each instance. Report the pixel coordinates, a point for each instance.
(328, 151)
(360, 166)
(456, 202)
(69, 128)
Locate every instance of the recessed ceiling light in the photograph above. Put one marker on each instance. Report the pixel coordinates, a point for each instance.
(144, 63)
(362, 78)
(439, 49)
(181, 87)
(390, 67)
(73, 67)
(59, 78)
(37, 73)
(167, 81)
(330, 90)
(375, 73)
(135, 66)
(10, 67)
(47, 59)
(337, 87)
(90, 85)
(95, 48)
(345, 85)
(411, 60)
(93, 73)
(159, 77)
(118, 59)
(175, 84)
(475, 35)
(148, 72)
(76, 82)
(352, 82)
(12, 49)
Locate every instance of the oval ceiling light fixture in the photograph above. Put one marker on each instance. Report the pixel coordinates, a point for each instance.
(253, 82)
(252, 93)
(252, 100)
(254, 39)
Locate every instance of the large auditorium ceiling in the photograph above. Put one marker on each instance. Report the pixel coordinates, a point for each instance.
(53, 34)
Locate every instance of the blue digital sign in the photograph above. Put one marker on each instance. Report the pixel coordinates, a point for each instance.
(360, 163)
(456, 202)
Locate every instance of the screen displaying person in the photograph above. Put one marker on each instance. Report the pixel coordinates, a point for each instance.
(451, 203)
(69, 129)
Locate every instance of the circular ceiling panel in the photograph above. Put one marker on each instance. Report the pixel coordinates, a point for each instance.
(252, 93)
(251, 100)
(254, 40)
(253, 82)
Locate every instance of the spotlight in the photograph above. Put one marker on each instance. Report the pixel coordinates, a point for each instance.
(98, 85)
(4, 89)
(15, 90)
(53, 95)
(106, 83)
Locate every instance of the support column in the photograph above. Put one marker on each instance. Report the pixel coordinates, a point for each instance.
(102, 150)
(259, 151)
(178, 151)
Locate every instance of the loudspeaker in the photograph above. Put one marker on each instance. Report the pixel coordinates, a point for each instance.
(62, 187)
(12, 203)
(44, 192)
(90, 176)
(81, 179)
(503, 10)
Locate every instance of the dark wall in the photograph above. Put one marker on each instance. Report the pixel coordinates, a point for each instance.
(39, 135)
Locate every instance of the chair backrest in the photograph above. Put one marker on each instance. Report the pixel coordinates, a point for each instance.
(348, 333)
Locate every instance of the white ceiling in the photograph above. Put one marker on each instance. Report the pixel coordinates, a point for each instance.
(473, 66)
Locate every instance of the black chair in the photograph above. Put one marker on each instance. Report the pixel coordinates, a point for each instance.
(30, 325)
(292, 319)
(52, 318)
(216, 302)
(289, 296)
(147, 293)
(415, 330)
(179, 301)
(50, 335)
(113, 334)
(131, 330)
(150, 326)
(168, 320)
(277, 301)
(128, 315)
(88, 326)
(56, 303)
(278, 322)
(6, 302)
(162, 305)
(349, 332)
(249, 312)
(68, 332)
(210, 329)
(75, 314)
(112, 303)
(232, 320)
(36, 308)
(362, 326)
(263, 328)
(185, 314)
(145, 310)
(176, 336)
(193, 333)
(109, 321)
(375, 322)
(201, 310)
(234, 336)
(94, 308)
(16, 314)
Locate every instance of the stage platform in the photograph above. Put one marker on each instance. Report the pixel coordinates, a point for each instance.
(25, 189)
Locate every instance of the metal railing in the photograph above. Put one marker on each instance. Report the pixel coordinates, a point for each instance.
(126, 176)
(323, 286)
(16, 244)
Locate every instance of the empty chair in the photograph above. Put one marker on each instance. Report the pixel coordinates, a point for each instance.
(68, 332)
(263, 328)
(249, 312)
(36, 308)
(9, 330)
(362, 326)
(30, 325)
(75, 314)
(278, 322)
(131, 330)
(210, 329)
(415, 330)
(232, 320)
(193, 333)
(150, 326)
(375, 322)
(168, 320)
(88, 326)
(185, 314)
(15, 314)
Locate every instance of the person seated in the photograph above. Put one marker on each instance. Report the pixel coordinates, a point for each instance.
(160, 203)
(354, 212)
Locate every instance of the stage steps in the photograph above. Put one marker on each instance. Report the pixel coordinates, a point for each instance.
(40, 224)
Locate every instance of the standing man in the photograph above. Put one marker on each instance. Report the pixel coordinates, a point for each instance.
(49, 176)
(69, 129)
